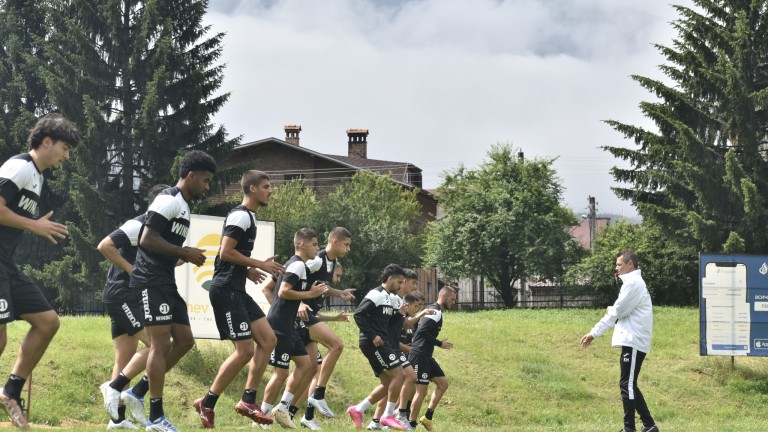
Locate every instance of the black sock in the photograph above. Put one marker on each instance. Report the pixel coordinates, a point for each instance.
(210, 399)
(293, 409)
(249, 396)
(155, 409)
(120, 413)
(403, 413)
(430, 412)
(375, 420)
(319, 393)
(309, 413)
(408, 410)
(13, 387)
(120, 382)
(414, 423)
(142, 387)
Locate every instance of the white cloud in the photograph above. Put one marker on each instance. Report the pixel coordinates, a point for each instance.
(438, 81)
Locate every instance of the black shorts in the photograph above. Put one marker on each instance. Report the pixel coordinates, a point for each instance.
(163, 306)
(19, 295)
(426, 367)
(313, 319)
(126, 318)
(380, 358)
(234, 311)
(404, 363)
(302, 330)
(286, 348)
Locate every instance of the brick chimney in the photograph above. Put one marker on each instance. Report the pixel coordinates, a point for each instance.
(292, 134)
(358, 143)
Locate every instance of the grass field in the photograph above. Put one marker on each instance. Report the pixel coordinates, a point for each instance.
(516, 370)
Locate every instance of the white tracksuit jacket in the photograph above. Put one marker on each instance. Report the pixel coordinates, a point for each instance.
(632, 314)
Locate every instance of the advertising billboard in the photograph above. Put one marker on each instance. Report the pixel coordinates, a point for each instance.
(193, 282)
(733, 305)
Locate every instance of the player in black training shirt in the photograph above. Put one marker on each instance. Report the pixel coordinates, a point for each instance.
(294, 288)
(21, 181)
(313, 328)
(125, 313)
(423, 345)
(373, 317)
(397, 324)
(160, 246)
(238, 317)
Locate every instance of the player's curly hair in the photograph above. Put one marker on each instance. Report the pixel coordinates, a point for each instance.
(196, 160)
(56, 127)
(391, 270)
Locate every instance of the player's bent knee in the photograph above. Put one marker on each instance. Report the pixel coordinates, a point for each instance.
(442, 384)
(245, 352)
(266, 341)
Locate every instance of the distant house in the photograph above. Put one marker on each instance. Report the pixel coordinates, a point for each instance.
(285, 160)
(582, 233)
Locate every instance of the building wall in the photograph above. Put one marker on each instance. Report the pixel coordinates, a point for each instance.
(282, 164)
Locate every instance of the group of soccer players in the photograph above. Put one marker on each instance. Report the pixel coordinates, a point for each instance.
(144, 305)
(289, 332)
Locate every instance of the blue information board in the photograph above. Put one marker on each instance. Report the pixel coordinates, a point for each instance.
(733, 305)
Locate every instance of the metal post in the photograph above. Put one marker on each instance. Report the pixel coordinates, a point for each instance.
(592, 222)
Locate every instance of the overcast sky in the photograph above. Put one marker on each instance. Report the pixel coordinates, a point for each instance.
(437, 82)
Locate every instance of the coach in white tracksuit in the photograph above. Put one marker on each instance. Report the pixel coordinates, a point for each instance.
(632, 314)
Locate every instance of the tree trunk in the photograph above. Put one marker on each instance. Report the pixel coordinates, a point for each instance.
(504, 286)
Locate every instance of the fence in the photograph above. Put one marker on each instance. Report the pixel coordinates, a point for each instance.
(475, 295)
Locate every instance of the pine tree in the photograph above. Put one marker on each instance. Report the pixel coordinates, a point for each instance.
(702, 176)
(140, 79)
(22, 93)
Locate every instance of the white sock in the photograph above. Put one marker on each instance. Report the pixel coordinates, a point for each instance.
(362, 406)
(287, 398)
(390, 410)
(266, 407)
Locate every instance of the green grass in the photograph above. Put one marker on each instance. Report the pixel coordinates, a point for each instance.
(518, 370)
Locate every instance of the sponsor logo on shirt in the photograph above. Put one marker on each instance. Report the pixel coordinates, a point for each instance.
(28, 204)
(180, 229)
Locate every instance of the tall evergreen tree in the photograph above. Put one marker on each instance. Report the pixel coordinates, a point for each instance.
(702, 176)
(22, 92)
(140, 79)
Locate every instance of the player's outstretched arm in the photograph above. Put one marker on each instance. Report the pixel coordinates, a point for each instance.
(43, 227)
(345, 294)
(340, 317)
(229, 253)
(110, 251)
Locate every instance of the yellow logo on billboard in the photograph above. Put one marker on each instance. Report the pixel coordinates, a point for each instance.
(204, 274)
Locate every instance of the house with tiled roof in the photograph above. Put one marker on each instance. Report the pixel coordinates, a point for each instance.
(285, 160)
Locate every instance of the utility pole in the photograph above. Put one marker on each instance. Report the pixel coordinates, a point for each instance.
(592, 215)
